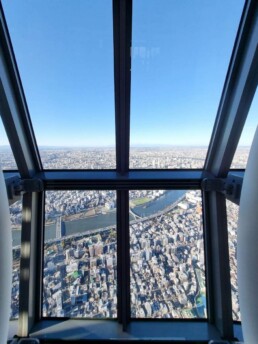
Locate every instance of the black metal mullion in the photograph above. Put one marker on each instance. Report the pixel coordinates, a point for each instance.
(122, 24)
(39, 242)
(123, 257)
(217, 263)
(28, 265)
(122, 18)
(208, 258)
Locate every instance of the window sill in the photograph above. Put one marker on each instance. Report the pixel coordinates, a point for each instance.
(137, 330)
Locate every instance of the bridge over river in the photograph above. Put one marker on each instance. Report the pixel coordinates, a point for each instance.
(101, 222)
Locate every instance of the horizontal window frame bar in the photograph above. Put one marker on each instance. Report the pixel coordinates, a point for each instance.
(81, 180)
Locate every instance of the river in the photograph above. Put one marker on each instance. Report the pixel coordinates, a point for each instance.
(109, 219)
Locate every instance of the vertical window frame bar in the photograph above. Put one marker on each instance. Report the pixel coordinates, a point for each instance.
(40, 255)
(29, 264)
(208, 257)
(122, 30)
(123, 258)
(217, 264)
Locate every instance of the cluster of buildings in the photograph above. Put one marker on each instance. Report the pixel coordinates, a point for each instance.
(241, 157)
(7, 161)
(16, 214)
(140, 157)
(79, 158)
(79, 278)
(167, 157)
(167, 263)
(167, 269)
(86, 203)
(14, 311)
(232, 217)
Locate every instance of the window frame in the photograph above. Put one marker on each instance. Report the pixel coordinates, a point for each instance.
(237, 95)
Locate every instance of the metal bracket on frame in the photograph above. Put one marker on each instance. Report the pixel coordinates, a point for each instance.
(16, 186)
(230, 186)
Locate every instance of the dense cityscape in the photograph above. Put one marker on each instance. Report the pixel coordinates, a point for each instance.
(80, 278)
(141, 158)
(166, 247)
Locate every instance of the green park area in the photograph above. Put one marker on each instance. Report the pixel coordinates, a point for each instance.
(139, 201)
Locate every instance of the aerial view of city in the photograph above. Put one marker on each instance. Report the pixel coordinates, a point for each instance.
(167, 267)
(78, 103)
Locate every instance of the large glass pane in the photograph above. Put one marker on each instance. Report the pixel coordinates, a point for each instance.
(232, 219)
(64, 51)
(167, 254)
(7, 161)
(180, 55)
(16, 222)
(244, 145)
(80, 249)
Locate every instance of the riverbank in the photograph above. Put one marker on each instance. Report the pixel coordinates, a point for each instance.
(143, 212)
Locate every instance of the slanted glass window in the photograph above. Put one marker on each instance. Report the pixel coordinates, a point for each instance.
(232, 219)
(180, 55)
(64, 51)
(80, 254)
(244, 144)
(167, 254)
(7, 161)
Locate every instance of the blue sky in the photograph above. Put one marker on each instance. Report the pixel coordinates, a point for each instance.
(180, 55)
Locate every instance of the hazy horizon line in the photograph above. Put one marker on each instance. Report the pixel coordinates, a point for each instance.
(113, 146)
